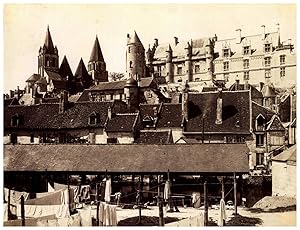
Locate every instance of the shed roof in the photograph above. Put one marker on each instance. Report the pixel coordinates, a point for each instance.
(203, 158)
(286, 155)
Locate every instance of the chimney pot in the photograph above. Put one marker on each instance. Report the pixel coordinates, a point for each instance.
(219, 107)
(176, 40)
(263, 33)
(156, 42)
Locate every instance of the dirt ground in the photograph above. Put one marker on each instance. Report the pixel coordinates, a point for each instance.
(248, 218)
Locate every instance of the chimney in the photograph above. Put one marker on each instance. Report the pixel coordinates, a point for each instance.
(155, 42)
(11, 93)
(261, 85)
(219, 107)
(184, 105)
(238, 36)
(176, 40)
(246, 85)
(63, 101)
(289, 41)
(109, 113)
(263, 32)
(237, 83)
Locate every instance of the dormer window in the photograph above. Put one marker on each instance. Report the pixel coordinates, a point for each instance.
(226, 52)
(148, 121)
(94, 119)
(246, 50)
(260, 123)
(267, 48)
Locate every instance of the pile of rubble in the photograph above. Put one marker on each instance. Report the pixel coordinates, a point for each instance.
(275, 202)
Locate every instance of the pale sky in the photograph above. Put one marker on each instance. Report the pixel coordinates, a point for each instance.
(74, 28)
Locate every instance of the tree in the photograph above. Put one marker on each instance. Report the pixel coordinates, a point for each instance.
(114, 76)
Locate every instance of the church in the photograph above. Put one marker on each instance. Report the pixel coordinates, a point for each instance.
(52, 79)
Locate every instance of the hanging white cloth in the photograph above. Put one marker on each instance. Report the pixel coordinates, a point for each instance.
(107, 190)
(167, 190)
(50, 188)
(222, 215)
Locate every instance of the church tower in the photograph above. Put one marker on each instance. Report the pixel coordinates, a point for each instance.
(135, 58)
(96, 64)
(48, 56)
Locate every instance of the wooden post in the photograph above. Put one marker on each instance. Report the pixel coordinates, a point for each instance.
(158, 189)
(235, 198)
(140, 208)
(8, 205)
(160, 211)
(205, 204)
(170, 199)
(22, 211)
(97, 203)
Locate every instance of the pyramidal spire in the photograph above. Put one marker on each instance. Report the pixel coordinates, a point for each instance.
(96, 54)
(81, 71)
(48, 42)
(64, 69)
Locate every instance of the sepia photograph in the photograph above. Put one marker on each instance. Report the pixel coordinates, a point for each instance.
(169, 115)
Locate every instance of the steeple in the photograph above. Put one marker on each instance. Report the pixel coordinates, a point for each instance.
(48, 56)
(96, 54)
(81, 75)
(48, 42)
(97, 65)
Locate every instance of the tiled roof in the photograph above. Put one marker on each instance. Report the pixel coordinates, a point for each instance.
(33, 78)
(122, 122)
(47, 116)
(74, 98)
(255, 42)
(53, 75)
(154, 137)
(170, 116)
(84, 96)
(204, 158)
(198, 48)
(149, 110)
(254, 92)
(259, 109)
(96, 54)
(235, 112)
(11, 101)
(287, 155)
(50, 100)
(118, 85)
(275, 124)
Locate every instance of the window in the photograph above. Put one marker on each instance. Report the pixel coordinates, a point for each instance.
(93, 119)
(112, 140)
(130, 64)
(128, 49)
(260, 123)
(260, 140)
(159, 70)
(197, 68)
(259, 158)
(31, 138)
(226, 66)
(179, 70)
(267, 61)
(267, 73)
(246, 75)
(225, 52)
(246, 50)
(282, 72)
(282, 59)
(246, 63)
(15, 120)
(179, 80)
(267, 48)
(226, 77)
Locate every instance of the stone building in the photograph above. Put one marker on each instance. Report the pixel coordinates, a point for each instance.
(284, 173)
(256, 58)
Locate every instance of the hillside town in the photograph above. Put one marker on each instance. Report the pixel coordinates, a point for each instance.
(206, 125)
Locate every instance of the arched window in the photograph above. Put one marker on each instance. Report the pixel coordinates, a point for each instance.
(130, 64)
(260, 123)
